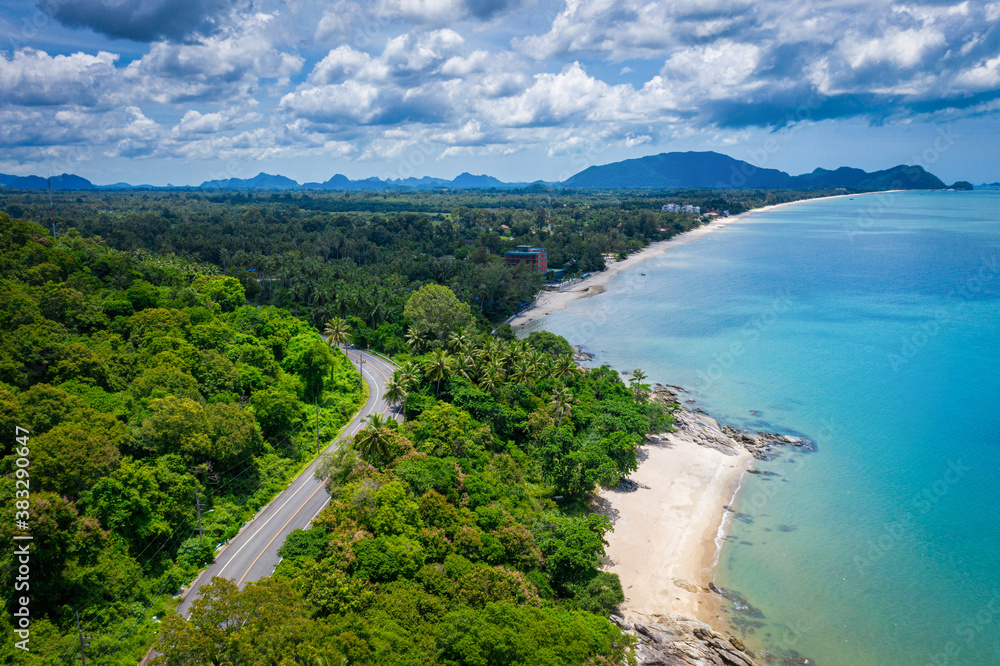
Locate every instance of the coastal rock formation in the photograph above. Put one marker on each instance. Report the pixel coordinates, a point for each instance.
(680, 641)
(706, 431)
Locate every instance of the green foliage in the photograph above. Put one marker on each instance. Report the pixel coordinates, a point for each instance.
(226, 291)
(434, 312)
(549, 343)
(133, 382)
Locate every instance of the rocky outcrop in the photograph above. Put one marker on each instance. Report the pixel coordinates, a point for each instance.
(706, 431)
(680, 641)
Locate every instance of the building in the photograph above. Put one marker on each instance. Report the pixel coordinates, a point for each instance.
(536, 257)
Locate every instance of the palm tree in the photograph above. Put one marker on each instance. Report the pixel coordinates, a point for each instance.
(414, 341)
(490, 381)
(522, 372)
(373, 442)
(565, 368)
(337, 331)
(458, 341)
(638, 388)
(439, 366)
(395, 390)
(409, 376)
(468, 366)
(562, 401)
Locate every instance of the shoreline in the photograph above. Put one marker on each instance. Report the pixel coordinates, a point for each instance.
(671, 521)
(547, 302)
(686, 482)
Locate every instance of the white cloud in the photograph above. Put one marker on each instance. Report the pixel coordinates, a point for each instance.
(34, 78)
(231, 64)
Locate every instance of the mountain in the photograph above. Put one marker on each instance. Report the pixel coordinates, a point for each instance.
(677, 170)
(663, 171)
(66, 181)
(262, 181)
(709, 169)
(900, 177)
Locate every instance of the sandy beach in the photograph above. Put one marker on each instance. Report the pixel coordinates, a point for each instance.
(668, 531)
(550, 301)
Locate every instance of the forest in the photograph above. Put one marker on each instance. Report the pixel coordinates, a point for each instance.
(160, 354)
(358, 255)
(144, 386)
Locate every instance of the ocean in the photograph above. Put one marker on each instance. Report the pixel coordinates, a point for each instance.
(871, 325)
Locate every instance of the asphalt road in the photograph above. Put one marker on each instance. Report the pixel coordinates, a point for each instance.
(253, 553)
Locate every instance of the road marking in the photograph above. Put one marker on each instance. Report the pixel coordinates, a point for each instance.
(358, 421)
(277, 534)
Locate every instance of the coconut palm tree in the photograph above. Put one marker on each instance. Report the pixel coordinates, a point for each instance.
(562, 405)
(439, 367)
(459, 341)
(372, 443)
(565, 368)
(467, 365)
(522, 372)
(395, 390)
(638, 388)
(337, 331)
(490, 381)
(414, 341)
(409, 375)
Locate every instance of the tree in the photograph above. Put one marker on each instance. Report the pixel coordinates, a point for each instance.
(309, 357)
(439, 366)
(74, 455)
(561, 403)
(639, 390)
(230, 626)
(226, 291)
(433, 310)
(337, 331)
(549, 343)
(395, 390)
(278, 412)
(373, 442)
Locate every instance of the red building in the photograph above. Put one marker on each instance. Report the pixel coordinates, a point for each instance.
(537, 257)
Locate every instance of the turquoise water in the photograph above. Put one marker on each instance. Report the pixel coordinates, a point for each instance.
(871, 325)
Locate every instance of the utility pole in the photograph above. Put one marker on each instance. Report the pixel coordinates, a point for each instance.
(84, 640)
(197, 503)
(317, 426)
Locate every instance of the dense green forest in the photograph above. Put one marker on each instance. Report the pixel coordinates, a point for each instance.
(460, 537)
(162, 350)
(145, 385)
(360, 255)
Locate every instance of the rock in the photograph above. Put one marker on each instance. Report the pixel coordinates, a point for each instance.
(737, 643)
(679, 641)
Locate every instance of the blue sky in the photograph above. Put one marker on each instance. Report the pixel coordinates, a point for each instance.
(181, 91)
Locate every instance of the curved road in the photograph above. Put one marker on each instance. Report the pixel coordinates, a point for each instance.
(253, 553)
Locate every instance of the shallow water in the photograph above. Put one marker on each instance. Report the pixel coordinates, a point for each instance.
(872, 326)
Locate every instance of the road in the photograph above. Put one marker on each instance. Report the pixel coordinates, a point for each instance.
(253, 553)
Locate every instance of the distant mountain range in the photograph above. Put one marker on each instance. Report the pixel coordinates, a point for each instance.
(663, 171)
(713, 170)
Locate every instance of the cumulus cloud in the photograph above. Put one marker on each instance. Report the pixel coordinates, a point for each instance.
(142, 20)
(230, 64)
(467, 76)
(34, 78)
(438, 11)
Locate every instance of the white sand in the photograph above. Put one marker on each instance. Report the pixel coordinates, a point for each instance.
(667, 534)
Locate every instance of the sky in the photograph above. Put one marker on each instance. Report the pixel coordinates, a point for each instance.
(182, 91)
